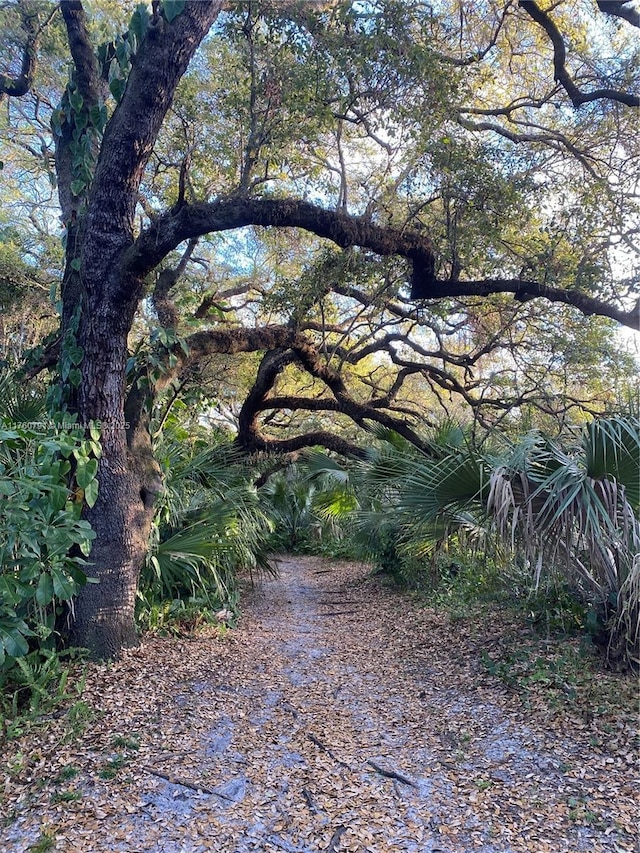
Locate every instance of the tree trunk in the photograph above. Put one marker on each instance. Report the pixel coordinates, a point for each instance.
(104, 611)
(128, 476)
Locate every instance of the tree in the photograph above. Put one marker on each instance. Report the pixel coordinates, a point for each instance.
(139, 185)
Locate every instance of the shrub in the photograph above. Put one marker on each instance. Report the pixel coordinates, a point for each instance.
(43, 545)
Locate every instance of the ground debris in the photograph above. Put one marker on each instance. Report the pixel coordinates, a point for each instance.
(265, 740)
(392, 774)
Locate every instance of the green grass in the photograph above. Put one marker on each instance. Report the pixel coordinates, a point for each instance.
(66, 797)
(67, 773)
(43, 844)
(122, 742)
(112, 767)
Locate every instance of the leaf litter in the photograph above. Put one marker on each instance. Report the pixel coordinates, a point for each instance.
(338, 716)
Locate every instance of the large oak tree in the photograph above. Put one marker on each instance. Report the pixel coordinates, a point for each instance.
(362, 125)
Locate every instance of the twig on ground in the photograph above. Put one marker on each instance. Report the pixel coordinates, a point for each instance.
(335, 839)
(326, 749)
(309, 801)
(392, 774)
(184, 783)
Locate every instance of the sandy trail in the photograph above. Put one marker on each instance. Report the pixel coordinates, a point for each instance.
(337, 717)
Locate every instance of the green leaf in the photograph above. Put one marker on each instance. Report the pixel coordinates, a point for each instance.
(123, 53)
(77, 101)
(75, 377)
(173, 8)
(77, 186)
(76, 263)
(81, 121)
(98, 116)
(117, 87)
(86, 472)
(44, 591)
(12, 637)
(76, 355)
(91, 493)
(63, 587)
(140, 21)
(96, 449)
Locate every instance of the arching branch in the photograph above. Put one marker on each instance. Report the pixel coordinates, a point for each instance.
(225, 214)
(17, 87)
(561, 74)
(317, 438)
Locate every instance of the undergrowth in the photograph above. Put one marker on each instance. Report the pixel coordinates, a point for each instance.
(540, 644)
(181, 617)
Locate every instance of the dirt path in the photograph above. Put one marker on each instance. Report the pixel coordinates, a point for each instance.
(335, 718)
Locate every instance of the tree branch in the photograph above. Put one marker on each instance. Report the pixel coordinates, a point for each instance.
(160, 62)
(17, 87)
(551, 138)
(561, 75)
(525, 290)
(479, 55)
(318, 438)
(625, 9)
(237, 212)
(166, 310)
(87, 73)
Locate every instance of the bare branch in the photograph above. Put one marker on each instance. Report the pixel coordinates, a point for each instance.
(525, 290)
(479, 55)
(551, 138)
(168, 314)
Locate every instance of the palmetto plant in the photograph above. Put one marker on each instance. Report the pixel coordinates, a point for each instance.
(19, 402)
(569, 510)
(209, 523)
(309, 500)
(575, 510)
